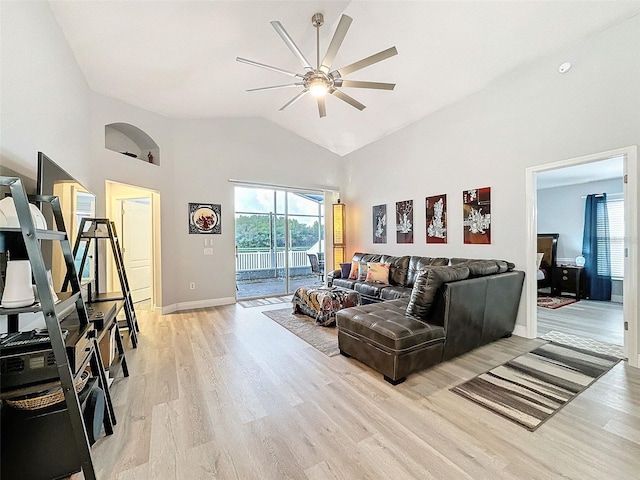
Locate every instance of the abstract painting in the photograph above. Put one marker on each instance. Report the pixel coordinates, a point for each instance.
(380, 224)
(404, 221)
(476, 207)
(204, 218)
(436, 208)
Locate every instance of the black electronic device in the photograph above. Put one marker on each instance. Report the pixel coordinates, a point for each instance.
(27, 357)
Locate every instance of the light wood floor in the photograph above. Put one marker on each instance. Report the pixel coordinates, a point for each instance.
(226, 393)
(602, 321)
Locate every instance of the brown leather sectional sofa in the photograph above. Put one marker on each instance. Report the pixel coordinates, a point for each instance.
(432, 309)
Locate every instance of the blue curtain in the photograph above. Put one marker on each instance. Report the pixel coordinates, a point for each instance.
(595, 248)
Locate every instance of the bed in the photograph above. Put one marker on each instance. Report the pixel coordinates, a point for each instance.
(547, 251)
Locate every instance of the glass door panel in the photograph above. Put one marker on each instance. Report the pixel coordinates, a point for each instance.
(276, 230)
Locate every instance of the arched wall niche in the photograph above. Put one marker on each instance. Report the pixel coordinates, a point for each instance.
(129, 140)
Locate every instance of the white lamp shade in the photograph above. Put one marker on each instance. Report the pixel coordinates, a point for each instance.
(9, 216)
(18, 291)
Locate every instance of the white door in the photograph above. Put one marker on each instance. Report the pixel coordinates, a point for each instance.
(136, 246)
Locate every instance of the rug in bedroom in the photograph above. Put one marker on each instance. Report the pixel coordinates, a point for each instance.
(532, 387)
(555, 302)
(324, 339)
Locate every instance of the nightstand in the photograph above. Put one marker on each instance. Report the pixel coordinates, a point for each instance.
(569, 279)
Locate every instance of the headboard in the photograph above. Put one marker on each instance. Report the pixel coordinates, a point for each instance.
(548, 245)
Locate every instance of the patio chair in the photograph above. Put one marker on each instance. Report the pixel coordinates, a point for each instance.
(316, 268)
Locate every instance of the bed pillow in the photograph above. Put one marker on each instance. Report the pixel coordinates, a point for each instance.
(540, 256)
(378, 272)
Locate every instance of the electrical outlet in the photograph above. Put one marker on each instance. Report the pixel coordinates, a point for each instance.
(208, 251)
(192, 286)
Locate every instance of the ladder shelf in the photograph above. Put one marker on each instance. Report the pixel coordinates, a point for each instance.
(37, 425)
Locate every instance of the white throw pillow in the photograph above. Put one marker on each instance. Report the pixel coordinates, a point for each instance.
(378, 272)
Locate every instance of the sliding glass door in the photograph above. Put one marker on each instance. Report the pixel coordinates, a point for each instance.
(276, 232)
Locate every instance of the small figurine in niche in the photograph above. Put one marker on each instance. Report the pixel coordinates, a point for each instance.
(150, 157)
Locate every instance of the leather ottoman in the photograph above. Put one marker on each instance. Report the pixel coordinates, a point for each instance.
(384, 337)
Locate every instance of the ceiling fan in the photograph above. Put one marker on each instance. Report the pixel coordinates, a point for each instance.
(321, 80)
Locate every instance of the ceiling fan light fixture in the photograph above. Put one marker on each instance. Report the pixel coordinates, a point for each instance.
(318, 87)
(321, 80)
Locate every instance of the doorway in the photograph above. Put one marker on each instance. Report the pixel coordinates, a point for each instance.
(135, 213)
(630, 282)
(276, 232)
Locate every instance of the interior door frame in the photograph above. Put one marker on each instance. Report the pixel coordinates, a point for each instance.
(115, 193)
(630, 283)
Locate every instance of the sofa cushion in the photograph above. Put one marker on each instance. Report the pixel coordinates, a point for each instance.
(345, 270)
(398, 267)
(426, 286)
(369, 289)
(503, 266)
(418, 263)
(353, 273)
(344, 283)
(377, 272)
(362, 270)
(393, 292)
(385, 324)
(482, 268)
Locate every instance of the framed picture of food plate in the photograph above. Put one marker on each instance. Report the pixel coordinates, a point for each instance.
(404, 221)
(380, 224)
(476, 211)
(204, 218)
(436, 213)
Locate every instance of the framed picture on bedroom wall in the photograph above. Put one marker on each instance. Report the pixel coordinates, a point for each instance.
(436, 213)
(380, 224)
(476, 212)
(404, 221)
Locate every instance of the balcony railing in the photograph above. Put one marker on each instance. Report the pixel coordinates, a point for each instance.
(268, 260)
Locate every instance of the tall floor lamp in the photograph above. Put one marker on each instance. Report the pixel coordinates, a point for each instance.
(339, 244)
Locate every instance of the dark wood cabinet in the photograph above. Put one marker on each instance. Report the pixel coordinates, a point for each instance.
(568, 279)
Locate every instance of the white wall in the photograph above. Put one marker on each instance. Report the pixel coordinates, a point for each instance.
(561, 210)
(44, 96)
(208, 154)
(530, 117)
(43, 101)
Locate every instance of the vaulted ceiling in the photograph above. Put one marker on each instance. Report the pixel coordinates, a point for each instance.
(177, 58)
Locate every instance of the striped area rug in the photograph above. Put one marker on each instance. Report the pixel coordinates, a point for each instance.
(531, 388)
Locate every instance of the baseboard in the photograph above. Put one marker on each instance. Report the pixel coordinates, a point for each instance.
(214, 302)
(616, 298)
(520, 331)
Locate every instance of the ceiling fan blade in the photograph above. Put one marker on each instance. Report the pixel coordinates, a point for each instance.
(346, 98)
(293, 100)
(268, 67)
(336, 42)
(359, 84)
(274, 87)
(322, 109)
(365, 62)
(291, 44)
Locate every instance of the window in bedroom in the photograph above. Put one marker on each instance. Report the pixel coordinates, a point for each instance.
(615, 208)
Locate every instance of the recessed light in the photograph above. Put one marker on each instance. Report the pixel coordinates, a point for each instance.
(565, 67)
